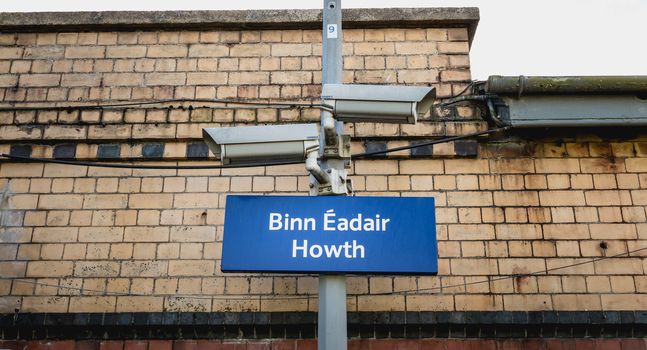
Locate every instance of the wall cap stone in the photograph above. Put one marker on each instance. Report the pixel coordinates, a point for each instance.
(236, 20)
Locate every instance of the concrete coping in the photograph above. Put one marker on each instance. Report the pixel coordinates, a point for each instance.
(237, 20)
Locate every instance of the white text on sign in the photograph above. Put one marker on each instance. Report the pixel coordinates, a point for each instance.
(359, 222)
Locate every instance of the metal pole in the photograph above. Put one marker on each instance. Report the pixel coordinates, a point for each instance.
(332, 313)
(332, 288)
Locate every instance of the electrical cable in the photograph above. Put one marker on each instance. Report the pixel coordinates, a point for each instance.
(15, 107)
(459, 99)
(314, 296)
(466, 89)
(434, 142)
(194, 167)
(524, 274)
(258, 104)
(135, 166)
(167, 101)
(486, 100)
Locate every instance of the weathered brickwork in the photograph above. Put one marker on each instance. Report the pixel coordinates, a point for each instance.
(157, 233)
(511, 213)
(71, 66)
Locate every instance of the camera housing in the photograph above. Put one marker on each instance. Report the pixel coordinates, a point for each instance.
(257, 144)
(378, 103)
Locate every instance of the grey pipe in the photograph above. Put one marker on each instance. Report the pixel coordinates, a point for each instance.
(547, 85)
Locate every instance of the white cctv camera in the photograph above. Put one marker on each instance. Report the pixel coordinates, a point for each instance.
(378, 103)
(255, 144)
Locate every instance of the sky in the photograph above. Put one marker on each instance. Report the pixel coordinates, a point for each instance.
(514, 37)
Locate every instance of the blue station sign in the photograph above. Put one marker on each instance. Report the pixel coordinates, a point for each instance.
(392, 235)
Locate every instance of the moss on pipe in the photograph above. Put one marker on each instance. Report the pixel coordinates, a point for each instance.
(551, 85)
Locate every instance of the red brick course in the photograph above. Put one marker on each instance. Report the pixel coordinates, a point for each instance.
(356, 344)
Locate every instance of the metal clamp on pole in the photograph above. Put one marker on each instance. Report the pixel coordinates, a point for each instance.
(330, 182)
(336, 145)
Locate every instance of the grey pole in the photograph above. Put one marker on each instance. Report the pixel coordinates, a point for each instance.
(332, 288)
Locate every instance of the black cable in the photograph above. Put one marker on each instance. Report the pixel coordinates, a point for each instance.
(459, 99)
(486, 100)
(466, 88)
(14, 107)
(308, 296)
(133, 166)
(166, 101)
(423, 144)
(501, 278)
(194, 167)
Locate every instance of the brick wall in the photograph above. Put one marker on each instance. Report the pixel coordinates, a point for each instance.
(86, 239)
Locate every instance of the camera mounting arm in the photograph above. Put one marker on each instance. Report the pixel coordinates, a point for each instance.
(312, 166)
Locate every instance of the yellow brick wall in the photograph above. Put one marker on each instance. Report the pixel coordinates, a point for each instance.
(84, 239)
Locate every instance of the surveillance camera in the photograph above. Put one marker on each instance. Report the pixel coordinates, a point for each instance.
(255, 144)
(378, 103)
